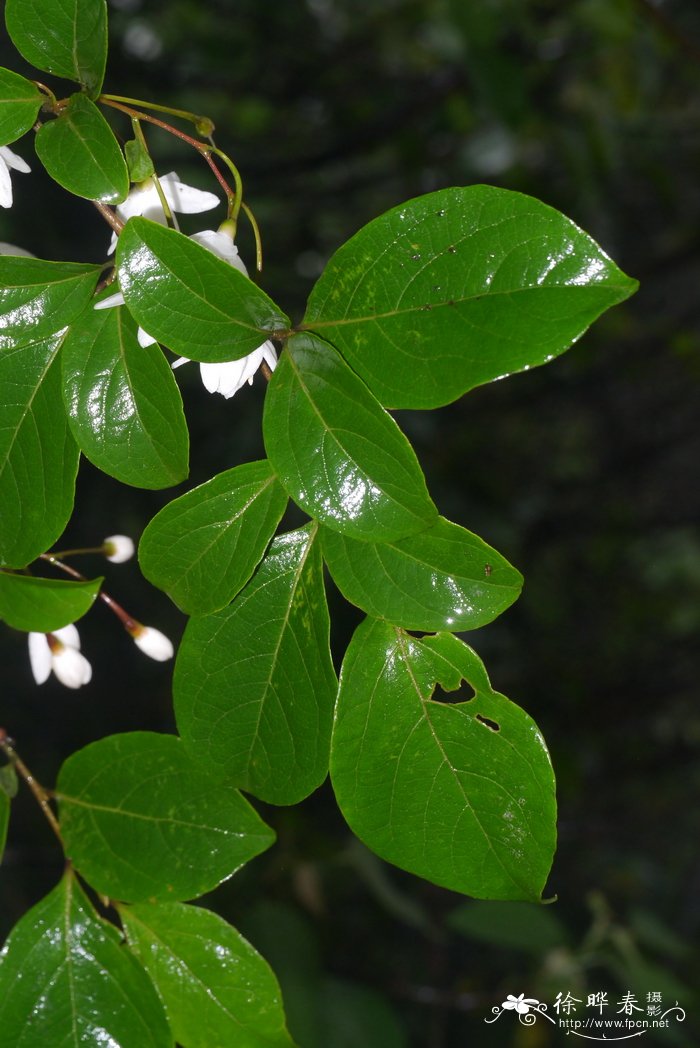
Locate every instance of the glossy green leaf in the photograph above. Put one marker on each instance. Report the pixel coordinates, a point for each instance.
(217, 990)
(203, 547)
(254, 685)
(67, 980)
(65, 37)
(461, 287)
(443, 578)
(38, 456)
(80, 152)
(123, 403)
(42, 605)
(38, 298)
(4, 820)
(461, 793)
(339, 454)
(20, 101)
(141, 820)
(187, 298)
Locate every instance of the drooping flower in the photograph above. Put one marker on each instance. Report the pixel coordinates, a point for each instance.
(8, 162)
(144, 200)
(152, 642)
(228, 376)
(118, 548)
(59, 652)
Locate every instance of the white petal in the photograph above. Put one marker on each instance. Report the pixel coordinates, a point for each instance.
(12, 249)
(39, 657)
(113, 300)
(184, 199)
(154, 644)
(71, 667)
(179, 362)
(5, 185)
(13, 161)
(68, 635)
(112, 244)
(222, 246)
(269, 354)
(144, 338)
(226, 378)
(120, 548)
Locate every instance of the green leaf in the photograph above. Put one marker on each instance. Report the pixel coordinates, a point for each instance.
(20, 102)
(9, 783)
(42, 605)
(460, 793)
(203, 547)
(444, 578)
(123, 403)
(4, 819)
(66, 979)
(339, 454)
(141, 821)
(138, 160)
(38, 456)
(183, 295)
(460, 287)
(65, 37)
(254, 685)
(39, 298)
(80, 152)
(511, 926)
(217, 990)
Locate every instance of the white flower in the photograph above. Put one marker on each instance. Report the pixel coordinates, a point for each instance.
(152, 642)
(118, 548)
(8, 161)
(144, 200)
(59, 651)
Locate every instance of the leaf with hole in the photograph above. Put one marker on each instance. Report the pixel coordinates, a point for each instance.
(80, 152)
(203, 547)
(443, 578)
(460, 287)
(461, 792)
(217, 990)
(254, 684)
(66, 979)
(190, 300)
(339, 454)
(67, 38)
(142, 821)
(123, 403)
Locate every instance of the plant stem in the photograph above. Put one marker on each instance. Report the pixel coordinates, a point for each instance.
(37, 789)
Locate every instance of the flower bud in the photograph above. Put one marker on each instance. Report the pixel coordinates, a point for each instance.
(118, 548)
(153, 643)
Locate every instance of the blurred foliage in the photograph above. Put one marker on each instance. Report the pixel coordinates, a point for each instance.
(583, 473)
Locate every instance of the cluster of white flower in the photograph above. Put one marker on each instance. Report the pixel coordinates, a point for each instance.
(228, 377)
(59, 651)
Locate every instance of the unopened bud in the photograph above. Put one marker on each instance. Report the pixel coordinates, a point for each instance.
(152, 642)
(118, 548)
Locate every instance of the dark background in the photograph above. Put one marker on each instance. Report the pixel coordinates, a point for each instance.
(583, 473)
